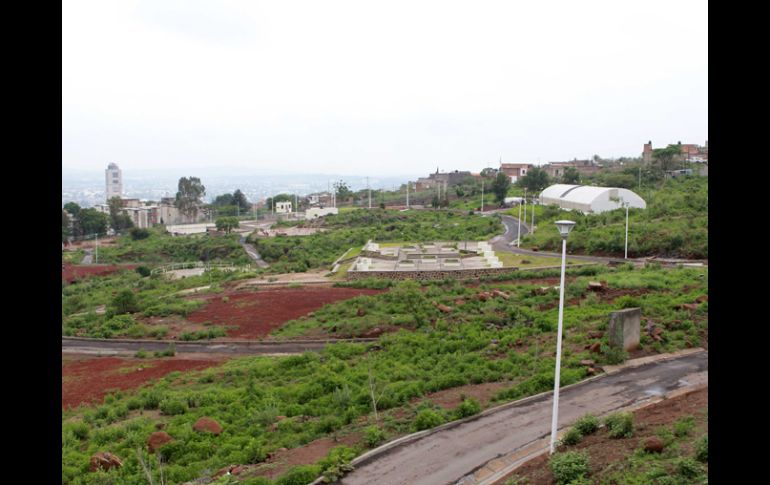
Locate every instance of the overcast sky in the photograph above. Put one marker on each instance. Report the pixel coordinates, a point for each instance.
(380, 88)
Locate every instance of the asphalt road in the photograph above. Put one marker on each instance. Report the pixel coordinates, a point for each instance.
(246, 347)
(445, 457)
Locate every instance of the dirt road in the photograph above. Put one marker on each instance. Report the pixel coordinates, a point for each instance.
(451, 454)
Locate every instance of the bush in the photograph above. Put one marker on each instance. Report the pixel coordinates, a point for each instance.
(572, 437)
(140, 354)
(137, 234)
(588, 424)
(143, 270)
(172, 407)
(612, 355)
(373, 436)
(702, 449)
(620, 425)
(683, 426)
(123, 302)
(299, 475)
(689, 468)
(468, 407)
(426, 419)
(568, 466)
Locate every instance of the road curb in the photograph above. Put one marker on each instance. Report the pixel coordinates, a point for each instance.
(612, 369)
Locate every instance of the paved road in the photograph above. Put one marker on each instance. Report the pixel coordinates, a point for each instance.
(249, 248)
(448, 455)
(112, 347)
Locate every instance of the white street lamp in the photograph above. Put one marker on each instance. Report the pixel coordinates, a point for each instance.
(518, 234)
(564, 229)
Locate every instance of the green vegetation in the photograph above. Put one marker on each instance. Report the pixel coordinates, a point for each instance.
(620, 425)
(160, 247)
(130, 300)
(586, 425)
(568, 466)
(674, 224)
(329, 393)
(355, 228)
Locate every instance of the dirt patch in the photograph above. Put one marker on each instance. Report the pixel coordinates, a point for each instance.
(256, 314)
(88, 379)
(282, 461)
(450, 398)
(72, 272)
(603, 451)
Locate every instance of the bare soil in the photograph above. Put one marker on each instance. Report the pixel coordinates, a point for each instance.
(604, 451)
(256, 314)
(89, 379)
(72, 272)
(450, 398)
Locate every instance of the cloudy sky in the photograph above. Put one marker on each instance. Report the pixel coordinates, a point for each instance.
(381, 88)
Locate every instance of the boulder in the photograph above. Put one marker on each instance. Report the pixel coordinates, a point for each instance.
(501, 294)
(158, 439)
(595, 347)
(688, 306)
(596, 286)
(588, 362)
(207, 425)
(105, 461)
(653, 444)
(535, 248)
(459, 302)
(443, 308)
(484, 296)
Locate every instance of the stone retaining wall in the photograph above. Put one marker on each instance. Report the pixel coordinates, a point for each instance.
(460, 274)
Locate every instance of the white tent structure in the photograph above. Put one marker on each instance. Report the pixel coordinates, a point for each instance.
(589, 199)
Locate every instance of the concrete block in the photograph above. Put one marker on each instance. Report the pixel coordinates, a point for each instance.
(624, 329)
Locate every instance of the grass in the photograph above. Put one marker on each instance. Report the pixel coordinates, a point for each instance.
(522, 261)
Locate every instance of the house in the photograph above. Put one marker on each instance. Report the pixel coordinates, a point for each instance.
(584, 167)
(283, 207)
(445, 179)
(515, 170)
(688, 152)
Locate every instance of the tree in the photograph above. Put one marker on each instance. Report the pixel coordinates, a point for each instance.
(227, 224)
(665, 158)
(72, 208)
(239, 199)
(91, 221)
(66, 230)
(118, 220)
(489, 172)
(500, 186)
(342, 190)
(571, 176)
(224, 200)
(535, 180)
(188, 198)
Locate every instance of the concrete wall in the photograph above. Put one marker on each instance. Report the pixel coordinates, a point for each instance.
(429, 275)
(624, 328)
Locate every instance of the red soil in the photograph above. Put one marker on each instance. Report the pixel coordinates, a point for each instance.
(256, 314)
(450, 398)
(87, 379)
(71, 272)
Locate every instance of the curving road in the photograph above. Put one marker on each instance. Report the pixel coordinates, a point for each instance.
(451, 455)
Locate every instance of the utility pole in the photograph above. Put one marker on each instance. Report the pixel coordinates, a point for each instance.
(518, 234)
(370, 192)
(407, 194)
(532, 229)
(525, 203)
(482, 196)
(97, 248)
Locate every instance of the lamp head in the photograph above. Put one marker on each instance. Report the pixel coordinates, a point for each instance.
(565, 227)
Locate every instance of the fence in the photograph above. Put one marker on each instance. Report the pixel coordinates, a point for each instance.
(201, 264)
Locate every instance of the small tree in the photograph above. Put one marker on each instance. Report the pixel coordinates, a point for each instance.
(239, 199)
(500, 186)
(118, 220)
(535, 180)
(66, 230)
(227, 224)
(571, 176)
(343, 191)
(665, 158)
(91, 221)
(72, 208)
(188, 197)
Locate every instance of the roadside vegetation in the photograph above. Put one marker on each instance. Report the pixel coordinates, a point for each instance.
(364, 394)
(674, 224)
(354, 228)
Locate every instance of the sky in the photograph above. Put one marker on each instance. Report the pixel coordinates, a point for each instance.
(377, 88)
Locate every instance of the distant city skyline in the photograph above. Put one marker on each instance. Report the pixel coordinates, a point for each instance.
(377, 89)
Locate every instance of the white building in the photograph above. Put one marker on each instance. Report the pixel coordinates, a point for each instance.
(316, 212)
(589, 199)
(113, 181)
(283, 207)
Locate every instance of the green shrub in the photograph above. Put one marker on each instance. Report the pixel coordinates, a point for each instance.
(138, 234)
(140, 354)
(588, 424)
(123, 302)
(613, 355)
(572, 437)
(468, 407)
(568, 466)
(702, 449)
(683, 426)
(299, 475)
(373, 436)
(427, 418)
(689, 468)
(143, 270)
(172, 407)
(620, 425)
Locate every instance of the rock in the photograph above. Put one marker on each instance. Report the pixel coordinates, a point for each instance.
(588, 362)
(501, 294)
(105, 461)
(653, 444)
(596, 286)
(160, 425)
(535, 248)
(702, 298)
(361, 312)
(280, 418)
(459, 302)
(158, 439)
(483, 296)
(596, 334)
(688, 306)
(595, 347)
(237, 469)
(443, 308)
(590, 371)
(208, 425)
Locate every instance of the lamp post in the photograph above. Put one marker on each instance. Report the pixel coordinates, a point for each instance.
(626, 254)
(518, 233)
(564, 229)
